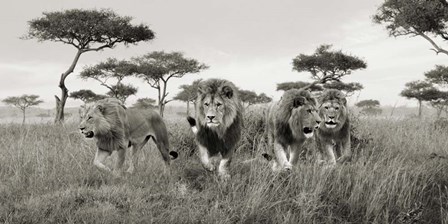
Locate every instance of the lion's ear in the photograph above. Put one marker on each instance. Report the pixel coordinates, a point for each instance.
(200, 90)
(100, 107)
(344, 101)
(299, 101)
(227, 91)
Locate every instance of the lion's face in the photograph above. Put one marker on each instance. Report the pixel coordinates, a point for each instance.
(214, 110)
(92, 121)
(217, 104)
(333, 113)
(304, 120)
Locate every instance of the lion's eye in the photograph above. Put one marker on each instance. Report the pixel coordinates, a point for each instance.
(326, 108)
(206, 104)
(89, 118)
(309, 111)
(336, 108)
(218, 104)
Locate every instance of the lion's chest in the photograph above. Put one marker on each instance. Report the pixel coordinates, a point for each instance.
(210, 140)
(219, 144)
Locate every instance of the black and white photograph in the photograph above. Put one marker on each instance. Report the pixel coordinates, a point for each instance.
(208, 111)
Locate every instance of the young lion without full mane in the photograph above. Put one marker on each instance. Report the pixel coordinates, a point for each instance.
(333, 135)
(219, 116)
(290, 122)
(116, 128)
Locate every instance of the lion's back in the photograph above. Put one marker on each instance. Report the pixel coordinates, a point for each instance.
(144, 121)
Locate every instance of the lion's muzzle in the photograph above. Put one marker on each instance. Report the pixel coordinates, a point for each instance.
(330, 124)
(308, 132)
(87, 134)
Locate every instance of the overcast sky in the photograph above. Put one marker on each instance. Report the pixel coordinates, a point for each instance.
(251, 43)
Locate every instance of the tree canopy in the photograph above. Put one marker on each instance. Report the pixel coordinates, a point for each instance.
(23, 102)
(122, 91)
(86, 95)
(421, 91)
(438, 76)
(86, 30)
(144, 103)
(347, 88)
(250, 97)
(113, 69)
(157, 68)
(285, 86)
(425, 18)
(327, 65)
(368, 103)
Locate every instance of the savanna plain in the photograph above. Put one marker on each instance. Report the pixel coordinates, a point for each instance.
(399, 174)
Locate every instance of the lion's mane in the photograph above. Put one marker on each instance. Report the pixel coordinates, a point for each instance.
(226, 136)
(282, 114)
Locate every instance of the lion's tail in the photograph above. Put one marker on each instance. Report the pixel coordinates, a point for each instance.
(192, 123)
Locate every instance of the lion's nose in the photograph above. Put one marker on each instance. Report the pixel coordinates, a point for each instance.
(331, 117)
(210, 117)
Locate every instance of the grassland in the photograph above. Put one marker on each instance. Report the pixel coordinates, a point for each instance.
(399, 175)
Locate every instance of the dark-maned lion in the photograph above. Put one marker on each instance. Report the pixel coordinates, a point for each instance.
(333, 135)
(116, 128)
(219, 116)
(290, 122)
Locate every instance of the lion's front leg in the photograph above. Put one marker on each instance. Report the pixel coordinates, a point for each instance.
(100, 157)
(205, 158)
(121, 155)
(296, 150)
(346, 151)
(281, 161)
(223, 169)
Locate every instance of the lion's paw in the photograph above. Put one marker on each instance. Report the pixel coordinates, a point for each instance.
(209, 167)
(224, 176)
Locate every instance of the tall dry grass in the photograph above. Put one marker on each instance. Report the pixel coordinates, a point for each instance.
(399, 175)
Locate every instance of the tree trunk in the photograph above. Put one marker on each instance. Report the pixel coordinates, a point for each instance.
(23, 112)
(60, 102)
(162, 96)
(419, 109)
(188, 108)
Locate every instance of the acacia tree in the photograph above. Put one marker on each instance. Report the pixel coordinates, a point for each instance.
(439, 77)
(23, 102)
(327, 66)
(122, 91)
(369, 107)
(250, 97)
(263, 98)
(86, 95)
(347, 88)
(421, 91)
(285, 86)
(86, 30)
(113, 69)
(425, 18)
(157, 68)
(144, 103)
(188, 93)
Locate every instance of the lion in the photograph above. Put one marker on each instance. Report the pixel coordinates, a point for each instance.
(333, 135)
(218, 130)
(115, 128)
(290, 122)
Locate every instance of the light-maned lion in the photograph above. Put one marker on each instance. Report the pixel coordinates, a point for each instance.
(116, 128)
(219, 116)
(333, 135)
(290, 122)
